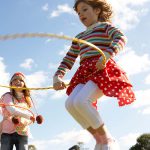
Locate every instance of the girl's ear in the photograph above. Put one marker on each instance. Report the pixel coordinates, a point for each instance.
(97, 11)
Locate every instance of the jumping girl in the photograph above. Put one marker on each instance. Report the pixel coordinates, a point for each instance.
(93, 79)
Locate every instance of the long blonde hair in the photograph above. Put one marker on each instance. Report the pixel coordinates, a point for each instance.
(27, 96)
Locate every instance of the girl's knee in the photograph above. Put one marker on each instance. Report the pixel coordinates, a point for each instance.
(79, 103)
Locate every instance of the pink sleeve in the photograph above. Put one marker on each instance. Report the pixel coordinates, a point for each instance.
(1, 110)
(7, 99)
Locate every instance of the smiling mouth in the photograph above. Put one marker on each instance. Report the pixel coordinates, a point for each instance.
(83, 19)
(17, 85)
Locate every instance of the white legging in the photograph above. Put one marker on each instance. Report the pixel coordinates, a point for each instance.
(79, 105)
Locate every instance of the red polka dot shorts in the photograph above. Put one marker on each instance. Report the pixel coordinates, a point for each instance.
(112, 80)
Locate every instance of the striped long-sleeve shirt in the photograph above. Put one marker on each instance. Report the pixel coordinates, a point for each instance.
(104, 35)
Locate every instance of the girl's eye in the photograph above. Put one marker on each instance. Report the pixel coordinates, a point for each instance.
(85, 9)
(16, 80)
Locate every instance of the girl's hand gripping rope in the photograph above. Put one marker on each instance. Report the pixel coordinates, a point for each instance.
(100, 64)
(16, 120)
(58, 83)
(32, 118)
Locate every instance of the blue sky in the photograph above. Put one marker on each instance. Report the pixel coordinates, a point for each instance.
(38, 59)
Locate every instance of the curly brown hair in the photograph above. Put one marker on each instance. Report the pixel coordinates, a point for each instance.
(106, 9)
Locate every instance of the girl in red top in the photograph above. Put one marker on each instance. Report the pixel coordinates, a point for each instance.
(93, 79)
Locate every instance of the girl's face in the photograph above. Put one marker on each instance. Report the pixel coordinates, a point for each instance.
(18, 83)
(87, 14)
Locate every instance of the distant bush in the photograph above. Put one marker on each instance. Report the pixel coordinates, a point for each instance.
(75, 147)
(31, 147)
(143, 143)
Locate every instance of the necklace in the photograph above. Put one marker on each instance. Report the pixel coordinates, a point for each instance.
(19, 95)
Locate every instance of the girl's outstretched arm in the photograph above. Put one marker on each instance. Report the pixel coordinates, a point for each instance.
(7, 99)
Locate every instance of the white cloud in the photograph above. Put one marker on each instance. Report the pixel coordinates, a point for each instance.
(143, 98)
(64, 140)
(133, 63)
(147, 80)
(146, 111)
(129, 140)
(48, 40)
(142, 102)
(27, 64)
(38, 80)
(125, 19)
(4, 76)
(76, 136)
(128, 13)
(45, 7)
(134, 2)
(65, 8)
(58, 94)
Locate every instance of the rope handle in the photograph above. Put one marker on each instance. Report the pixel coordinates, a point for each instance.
(4, 105)
(39, 118)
